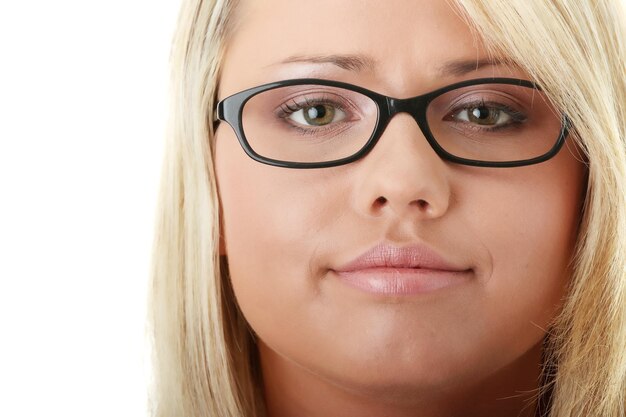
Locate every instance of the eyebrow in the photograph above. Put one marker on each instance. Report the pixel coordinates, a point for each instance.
(463, 66)
(359, 62)
(349, 62)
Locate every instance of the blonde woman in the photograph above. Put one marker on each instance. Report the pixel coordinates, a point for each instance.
(399, 208)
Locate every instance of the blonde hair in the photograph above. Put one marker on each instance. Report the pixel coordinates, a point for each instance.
(204, 356)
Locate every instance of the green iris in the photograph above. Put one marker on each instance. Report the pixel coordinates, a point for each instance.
(484, 116)
(319, 115)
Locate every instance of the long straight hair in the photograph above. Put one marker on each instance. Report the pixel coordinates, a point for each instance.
(204, 357)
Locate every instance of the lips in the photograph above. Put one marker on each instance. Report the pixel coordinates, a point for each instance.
(392, 270)
(386, 256)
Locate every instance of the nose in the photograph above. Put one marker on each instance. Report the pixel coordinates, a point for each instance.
(403, 175)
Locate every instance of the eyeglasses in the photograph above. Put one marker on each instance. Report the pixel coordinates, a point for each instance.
(314, 123)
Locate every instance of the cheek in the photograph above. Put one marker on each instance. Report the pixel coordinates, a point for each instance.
(528, 221)
(274, 222)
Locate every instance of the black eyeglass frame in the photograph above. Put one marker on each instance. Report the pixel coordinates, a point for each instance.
(230, 110)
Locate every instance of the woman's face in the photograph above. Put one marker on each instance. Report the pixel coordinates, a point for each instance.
(508, 232)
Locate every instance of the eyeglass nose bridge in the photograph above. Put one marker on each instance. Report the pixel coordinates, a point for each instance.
(416, 107)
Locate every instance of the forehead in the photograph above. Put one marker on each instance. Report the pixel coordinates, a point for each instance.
(405, 41)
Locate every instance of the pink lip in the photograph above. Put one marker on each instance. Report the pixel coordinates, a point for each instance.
(408, 270)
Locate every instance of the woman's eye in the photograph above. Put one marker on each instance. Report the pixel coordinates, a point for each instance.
(483, 116)
(318, 115)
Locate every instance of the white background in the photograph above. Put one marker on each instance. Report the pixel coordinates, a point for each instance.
(83, 103)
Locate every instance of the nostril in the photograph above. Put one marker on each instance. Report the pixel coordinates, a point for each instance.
(380, 201)
(421, 204)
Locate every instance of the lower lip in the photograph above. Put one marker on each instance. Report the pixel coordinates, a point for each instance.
(402, 281)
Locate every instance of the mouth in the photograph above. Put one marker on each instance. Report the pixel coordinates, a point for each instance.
(398, 271)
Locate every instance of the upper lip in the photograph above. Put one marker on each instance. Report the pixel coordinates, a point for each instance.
(388, 256)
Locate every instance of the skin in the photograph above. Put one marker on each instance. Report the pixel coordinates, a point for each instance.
(327, 349)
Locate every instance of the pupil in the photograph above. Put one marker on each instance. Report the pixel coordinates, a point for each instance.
(484, 115)
(480, 113)
(316, 112)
